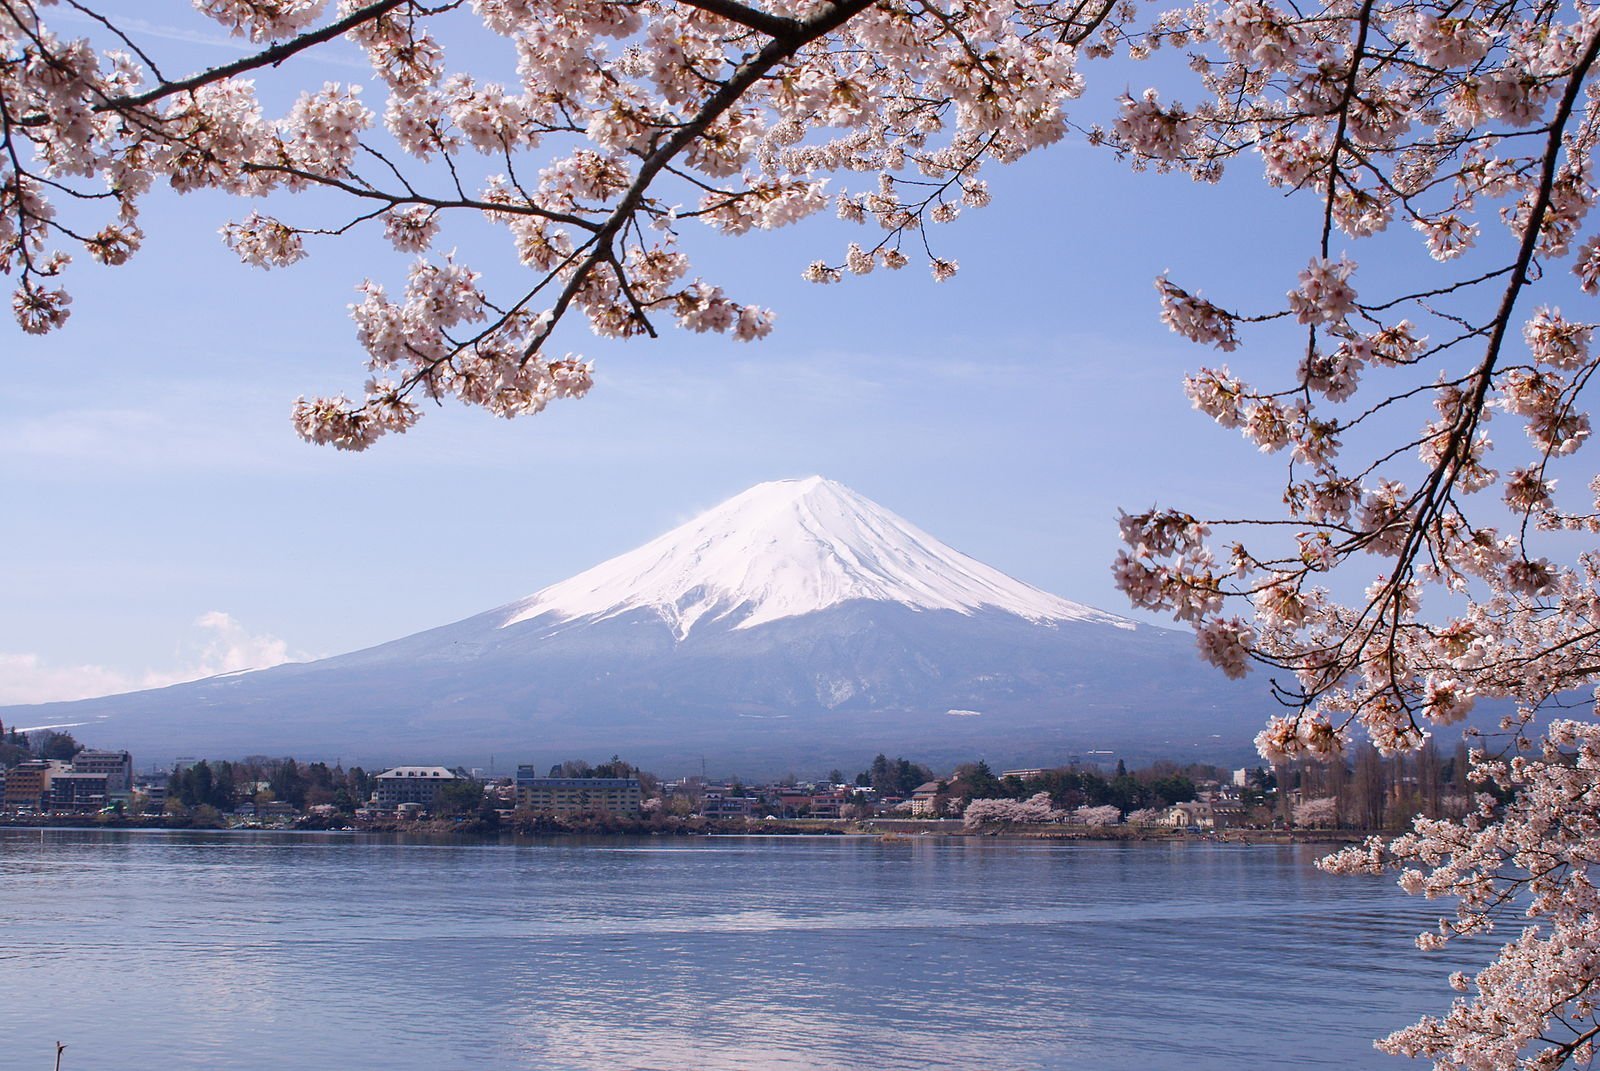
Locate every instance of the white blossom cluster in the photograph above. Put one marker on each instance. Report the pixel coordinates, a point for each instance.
(1037, 809)
(1410, 573)
(625, 122)
(1474, 125)
(1527, 862)
(1103, 815)
(1400, 112)
(1319, 811)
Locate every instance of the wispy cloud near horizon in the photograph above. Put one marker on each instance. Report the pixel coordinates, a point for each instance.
(219, 644)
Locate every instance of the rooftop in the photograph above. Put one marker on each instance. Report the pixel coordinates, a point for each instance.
(416, 771)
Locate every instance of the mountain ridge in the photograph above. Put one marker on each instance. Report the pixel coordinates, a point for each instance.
(797, 622)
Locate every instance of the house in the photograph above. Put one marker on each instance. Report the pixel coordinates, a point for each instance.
(829, 804)
(725, 805)
(793, 802)
(410, 784)
(1227, 806)
(1193, 815)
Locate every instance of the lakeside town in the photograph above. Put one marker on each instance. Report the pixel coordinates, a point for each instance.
(48, 777)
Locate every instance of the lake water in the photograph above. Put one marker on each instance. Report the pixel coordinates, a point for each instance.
(268, 952)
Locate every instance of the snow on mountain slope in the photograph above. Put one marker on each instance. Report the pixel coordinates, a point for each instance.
(873, 636)
(788, 548)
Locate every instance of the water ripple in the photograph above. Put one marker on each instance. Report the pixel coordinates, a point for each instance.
(196, 952)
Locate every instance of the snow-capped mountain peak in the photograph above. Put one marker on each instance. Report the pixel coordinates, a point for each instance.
(787, 548)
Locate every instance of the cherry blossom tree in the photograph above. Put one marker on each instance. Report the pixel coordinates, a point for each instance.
(1323, 811)
(627, 122)
(1145, 816)
(1105, 815)
(1533, 1006)
(1417, 566)
(1035, 810)
(985, 812)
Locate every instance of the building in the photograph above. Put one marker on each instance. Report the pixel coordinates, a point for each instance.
(117, 766)
(28, 785)
(154, 794)
(578, 795)
(410, 784)
(78, 792)
(829, 804)
(928, 800)
(724, 805)
(1227, 806)
(793, 802)
(1194, 815)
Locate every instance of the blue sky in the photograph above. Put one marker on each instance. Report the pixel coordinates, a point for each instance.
(152, 477)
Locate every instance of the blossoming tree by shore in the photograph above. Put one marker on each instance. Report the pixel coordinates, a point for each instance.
(1036, 809)
(1471, 124)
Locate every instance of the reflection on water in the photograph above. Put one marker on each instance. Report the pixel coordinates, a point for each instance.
(248, 953)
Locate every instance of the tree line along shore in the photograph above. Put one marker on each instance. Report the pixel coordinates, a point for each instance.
(890, 797)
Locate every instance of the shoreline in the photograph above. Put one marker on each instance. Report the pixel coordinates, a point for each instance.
(543, 827)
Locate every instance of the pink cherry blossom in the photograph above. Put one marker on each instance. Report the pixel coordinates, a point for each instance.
(1417, 564)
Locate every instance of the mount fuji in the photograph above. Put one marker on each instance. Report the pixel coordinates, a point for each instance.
(787, 549)
(796, 625)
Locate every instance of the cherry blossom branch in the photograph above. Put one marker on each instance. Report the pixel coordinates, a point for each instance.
(775, 52)
(268, 57)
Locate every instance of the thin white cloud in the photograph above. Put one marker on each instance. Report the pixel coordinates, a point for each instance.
(136, 27)
(219, 644)
(26, 678)
(209, 36)
(152, 439)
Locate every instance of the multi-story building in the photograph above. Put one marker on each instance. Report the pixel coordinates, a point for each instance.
(154, 794)
(792, 802)
(28, 785)
(79, 791)
(116, 765)
(928, 800)
(578, 795)
(725, 805)
(829, 804)
(411, 784)
(1227, 806)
